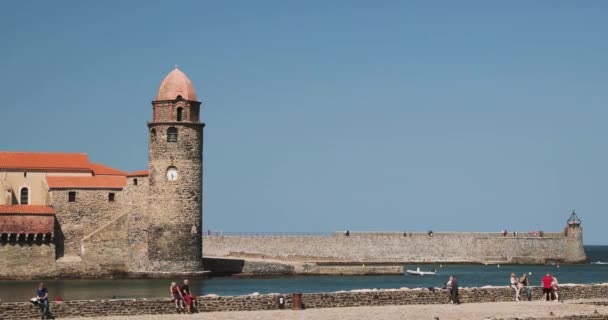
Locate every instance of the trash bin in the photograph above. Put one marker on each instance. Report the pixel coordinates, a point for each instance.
(296, 301)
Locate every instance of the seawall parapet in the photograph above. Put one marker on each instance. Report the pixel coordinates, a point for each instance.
(403, 247)
(127, 307)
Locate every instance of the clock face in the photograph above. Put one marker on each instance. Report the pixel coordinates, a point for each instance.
(172, 174)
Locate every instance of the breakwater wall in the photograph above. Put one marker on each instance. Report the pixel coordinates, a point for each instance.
(126, 307)
(399, 247)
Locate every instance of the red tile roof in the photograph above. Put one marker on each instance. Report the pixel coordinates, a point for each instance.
(45, 161)
(140, 173)
(26, 209)
(96, 182)
(103, 170)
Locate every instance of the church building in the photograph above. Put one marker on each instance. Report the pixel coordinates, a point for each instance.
(67, 215)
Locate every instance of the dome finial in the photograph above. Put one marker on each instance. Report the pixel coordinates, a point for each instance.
(176, 66)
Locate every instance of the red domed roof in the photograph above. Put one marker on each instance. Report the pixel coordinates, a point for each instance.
(176, 83)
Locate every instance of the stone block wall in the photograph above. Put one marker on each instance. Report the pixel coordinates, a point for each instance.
(91, 210)
(22, 260)
(108, 246)
(125, 307)
(395, 247)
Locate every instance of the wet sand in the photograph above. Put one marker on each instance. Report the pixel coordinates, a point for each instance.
(494, 310)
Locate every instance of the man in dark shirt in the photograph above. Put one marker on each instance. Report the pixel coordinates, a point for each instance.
(43, 299)
(525, 284)
(455, 298)
(188, 296)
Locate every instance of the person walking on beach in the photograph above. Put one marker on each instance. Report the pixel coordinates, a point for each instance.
(176, 295)
(42, 295)
(514, 283)
(448, 286)
(547, 288)
(454, 294)
(525, 284)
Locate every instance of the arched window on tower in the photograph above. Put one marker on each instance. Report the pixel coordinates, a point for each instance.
(153, 135)
(180, 110)
(25, 196)
(172, 134)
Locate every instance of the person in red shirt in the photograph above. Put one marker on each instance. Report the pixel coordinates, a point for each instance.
(547, 287)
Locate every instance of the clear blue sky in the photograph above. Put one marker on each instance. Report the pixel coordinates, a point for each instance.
(333, 115)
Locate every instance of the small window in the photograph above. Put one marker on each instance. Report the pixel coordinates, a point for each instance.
(111, 196)
(135, 181)
(172, 134)
(153, 134)
(179, 113)
(25, 196)
(72, 196)
(25, 174)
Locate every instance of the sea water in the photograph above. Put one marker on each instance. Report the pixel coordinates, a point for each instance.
(468, 275)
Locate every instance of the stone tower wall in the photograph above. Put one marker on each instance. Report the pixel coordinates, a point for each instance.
(174, 208)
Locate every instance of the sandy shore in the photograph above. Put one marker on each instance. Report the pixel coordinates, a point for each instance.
(494, 310)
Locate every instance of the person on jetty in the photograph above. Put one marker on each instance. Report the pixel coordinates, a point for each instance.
(524, 283)
(176, 295)
(188, 296)
(514, 283)
(547, 287)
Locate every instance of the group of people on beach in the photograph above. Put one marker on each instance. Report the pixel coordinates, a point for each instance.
(181, 294)
(550, 288)
(549, 283)
(520, 284)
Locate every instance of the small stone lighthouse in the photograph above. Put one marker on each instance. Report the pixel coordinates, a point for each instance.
(173, 211)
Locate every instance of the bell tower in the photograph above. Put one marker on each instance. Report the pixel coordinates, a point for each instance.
(174, 201)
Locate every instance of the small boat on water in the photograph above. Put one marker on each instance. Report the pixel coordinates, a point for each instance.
(417, 272)
(599, 262)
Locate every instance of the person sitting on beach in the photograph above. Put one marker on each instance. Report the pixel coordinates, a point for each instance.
(42, 296)
(524, 284)
(515, 285)
(188, 296)
(176, 295)
(547, 288)
(555, 288)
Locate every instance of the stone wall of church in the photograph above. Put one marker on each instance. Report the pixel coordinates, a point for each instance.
(25, 259)
(137, 224)
(91, 210)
